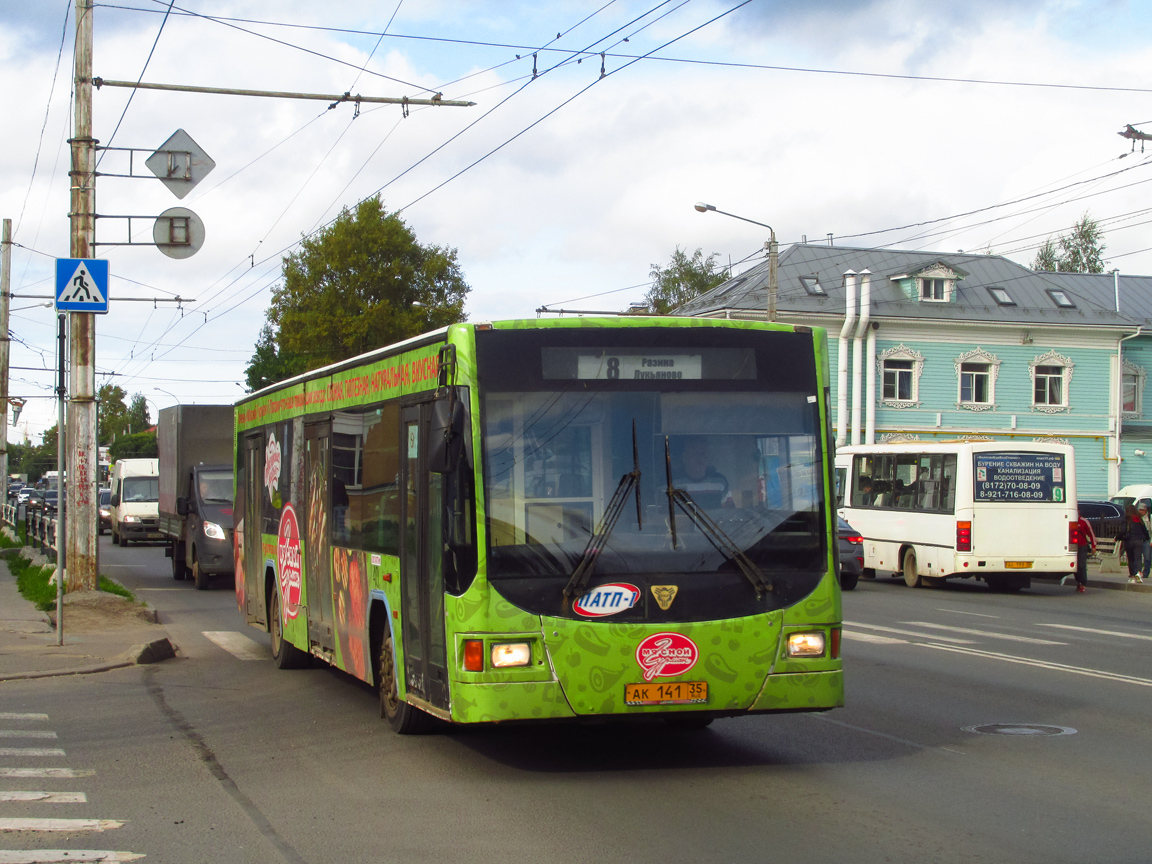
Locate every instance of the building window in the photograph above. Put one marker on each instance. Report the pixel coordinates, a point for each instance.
(932, 289)
(1051, 381)
(976, 372)
(1132, 381)
(900, 369)
(1002, 297)
(1048, 388)
(976, 383)
(1061, 299)
(812, 286)
(898, 380)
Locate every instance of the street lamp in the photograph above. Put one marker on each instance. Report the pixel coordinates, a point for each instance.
(773, 253)
(167, 393)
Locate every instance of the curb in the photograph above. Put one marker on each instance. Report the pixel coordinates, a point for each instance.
(155, 651)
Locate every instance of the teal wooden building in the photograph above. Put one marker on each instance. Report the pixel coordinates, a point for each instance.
(942, 346)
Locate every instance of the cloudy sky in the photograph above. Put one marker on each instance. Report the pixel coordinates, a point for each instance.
(917, 124)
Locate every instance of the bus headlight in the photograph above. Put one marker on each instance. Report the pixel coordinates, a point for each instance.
(806, 645)
(511, 654)
(211, 529)
(131, 518)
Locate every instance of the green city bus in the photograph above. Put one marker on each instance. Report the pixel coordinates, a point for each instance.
(573, 518)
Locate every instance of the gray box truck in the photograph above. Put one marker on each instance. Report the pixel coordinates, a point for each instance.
(195, 448)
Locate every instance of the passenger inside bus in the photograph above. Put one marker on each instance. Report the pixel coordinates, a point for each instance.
(699, 478)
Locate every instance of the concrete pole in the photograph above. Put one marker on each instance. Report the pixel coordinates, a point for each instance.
(773, 287)
(80, 522)
(5, 344)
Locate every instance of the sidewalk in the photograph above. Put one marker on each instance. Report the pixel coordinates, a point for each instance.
(28, 646)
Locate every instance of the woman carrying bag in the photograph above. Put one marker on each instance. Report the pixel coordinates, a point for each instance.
(1135, 536)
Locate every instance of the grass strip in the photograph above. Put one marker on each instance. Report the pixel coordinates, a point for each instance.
(34, 585)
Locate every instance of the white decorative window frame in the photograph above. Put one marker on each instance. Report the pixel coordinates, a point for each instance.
(949, 277)
(977, 438)
(1051, 441)
(978, 355)
(901, 352)
(896, 438)
(1052, 358)
(1141, 377)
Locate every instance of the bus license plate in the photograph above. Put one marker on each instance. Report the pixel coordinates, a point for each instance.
(673, 693)
(1018, 565)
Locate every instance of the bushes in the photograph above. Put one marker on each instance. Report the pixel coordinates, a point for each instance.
(34, 585)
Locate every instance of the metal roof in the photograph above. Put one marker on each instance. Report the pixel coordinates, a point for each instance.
(971, 300)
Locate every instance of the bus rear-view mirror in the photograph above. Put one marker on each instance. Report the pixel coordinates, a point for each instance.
(446, 436)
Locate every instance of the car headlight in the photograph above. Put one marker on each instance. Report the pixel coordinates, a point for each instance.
(511, 654)
(211, 529)
(131, 518)
(806, 644)
(104, 514)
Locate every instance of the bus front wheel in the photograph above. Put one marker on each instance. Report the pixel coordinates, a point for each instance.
(911, 575)
(284, 653)
(402, 717)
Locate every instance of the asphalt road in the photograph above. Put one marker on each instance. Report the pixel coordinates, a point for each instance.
(215, 758)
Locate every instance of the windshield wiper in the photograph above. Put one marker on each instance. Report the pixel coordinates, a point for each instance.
(708, 527)
(596, 543)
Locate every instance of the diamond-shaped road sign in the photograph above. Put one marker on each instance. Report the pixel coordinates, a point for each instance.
(82, 285)
(180, 163)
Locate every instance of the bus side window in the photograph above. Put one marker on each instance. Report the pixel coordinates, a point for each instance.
(863, 494)
(884, 482)
(948, 487)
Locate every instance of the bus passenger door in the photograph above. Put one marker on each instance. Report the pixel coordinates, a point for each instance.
(253, 559)
(316, 529)
(421, 575)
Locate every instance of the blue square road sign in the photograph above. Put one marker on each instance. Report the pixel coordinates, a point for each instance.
(82, 285)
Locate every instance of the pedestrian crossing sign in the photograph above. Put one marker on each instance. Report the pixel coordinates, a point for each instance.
(82, 285)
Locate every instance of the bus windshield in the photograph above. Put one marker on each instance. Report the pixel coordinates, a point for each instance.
(749, 457)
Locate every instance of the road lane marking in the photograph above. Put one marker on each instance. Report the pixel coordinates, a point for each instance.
(60, 856)
(874, 638)
(822, 718)
(25, 733)
(1043, 664)
(12, 715)
(972, 632)
(31, 751)
(908, 633)
(98, 825)
(958, 612)
(45, 797)
(1100, 632)
(63, 773)
(236, 644)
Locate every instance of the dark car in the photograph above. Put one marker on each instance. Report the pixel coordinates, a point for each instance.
(1105, 517)
(35, 500)
(851, 556)
(51, 500)
(105, 523)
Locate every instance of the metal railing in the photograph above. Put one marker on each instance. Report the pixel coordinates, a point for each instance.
(40, 527)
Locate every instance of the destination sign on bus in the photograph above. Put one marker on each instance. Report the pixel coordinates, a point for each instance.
(1023, 477)
(654, 364)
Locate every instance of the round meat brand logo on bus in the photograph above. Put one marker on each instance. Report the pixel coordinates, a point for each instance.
(607, 600)
(665, 655)
(288, 557)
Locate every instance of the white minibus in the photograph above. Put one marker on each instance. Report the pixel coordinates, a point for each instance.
(1001, 512)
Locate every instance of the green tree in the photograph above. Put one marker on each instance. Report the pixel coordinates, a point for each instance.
(138, 415)
(682, 280)
(1080, 251)
(362, 282)
(140, 445)
(1047, 258)
(271, 364)
(112, 412)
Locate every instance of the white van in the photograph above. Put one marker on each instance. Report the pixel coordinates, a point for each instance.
(134, 507)
(1135, 495)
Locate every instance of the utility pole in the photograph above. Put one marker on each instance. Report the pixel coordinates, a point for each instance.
(80, 510)
(5, 342)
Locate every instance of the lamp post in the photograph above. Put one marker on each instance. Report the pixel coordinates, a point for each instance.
(167, 393)
(773, 253)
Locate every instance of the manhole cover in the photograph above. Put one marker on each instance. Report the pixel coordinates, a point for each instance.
(1019, 729)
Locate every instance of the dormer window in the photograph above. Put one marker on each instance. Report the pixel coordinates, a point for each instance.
(932, 289)
(812, 286)
(1061, 299)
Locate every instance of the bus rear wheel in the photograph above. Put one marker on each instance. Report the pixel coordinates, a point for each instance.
(911, 575)
(402, 717)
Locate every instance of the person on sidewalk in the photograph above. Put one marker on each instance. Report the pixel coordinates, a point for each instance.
(1134, 537)
(1087, 544)
(1142, 509)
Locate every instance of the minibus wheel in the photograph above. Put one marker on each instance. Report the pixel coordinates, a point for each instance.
(911, 576)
